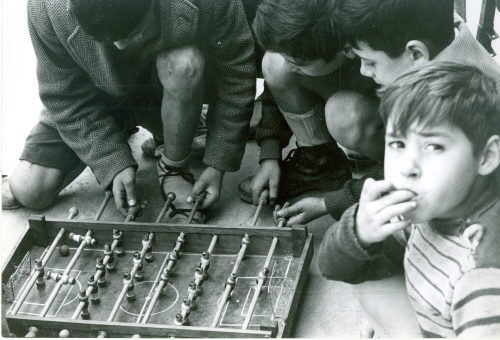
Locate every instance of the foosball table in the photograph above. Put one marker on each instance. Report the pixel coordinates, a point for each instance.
(74, 278)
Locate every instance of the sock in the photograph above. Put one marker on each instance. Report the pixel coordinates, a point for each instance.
(309, 128)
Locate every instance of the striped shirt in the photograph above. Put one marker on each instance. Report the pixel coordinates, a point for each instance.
(452, 269)
(452, 296)
(453, 273)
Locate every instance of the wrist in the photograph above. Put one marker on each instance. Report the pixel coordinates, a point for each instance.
(322, 206)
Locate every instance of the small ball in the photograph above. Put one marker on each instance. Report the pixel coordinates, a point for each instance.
(64, 250)
(64, 333)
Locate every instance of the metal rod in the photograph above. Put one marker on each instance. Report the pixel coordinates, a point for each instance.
(59, 284)
(126, 285)
(123, 292)
(155, 297)
(23, 293)
(150, 295)
(241, 254)
(225, 295)
(262, 201)
(197, 202)
(97, 275)
(262, 277)
(104, 203)
(260, 282)
(212, 244)
(177, 248)
(166, 205)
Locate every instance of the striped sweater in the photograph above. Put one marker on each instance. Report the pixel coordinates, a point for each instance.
(453, 283)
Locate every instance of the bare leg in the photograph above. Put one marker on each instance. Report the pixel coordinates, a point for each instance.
(36, 186)
(285, 87)
(181, 73)
(352, 121)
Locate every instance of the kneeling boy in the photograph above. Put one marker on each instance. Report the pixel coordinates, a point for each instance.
(440, 199)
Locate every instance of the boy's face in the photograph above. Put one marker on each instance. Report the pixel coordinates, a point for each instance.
(437, 163)
(379, 66)
(314, 68)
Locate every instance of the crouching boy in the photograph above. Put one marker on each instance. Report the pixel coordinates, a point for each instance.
(437, 212)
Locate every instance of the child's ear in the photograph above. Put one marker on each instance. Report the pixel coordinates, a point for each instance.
(490, 156)
(417, 51)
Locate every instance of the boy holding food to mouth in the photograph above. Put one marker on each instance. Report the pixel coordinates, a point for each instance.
(437, 212)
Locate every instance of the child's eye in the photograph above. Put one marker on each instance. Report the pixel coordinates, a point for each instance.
(434, 147)
(396, 145)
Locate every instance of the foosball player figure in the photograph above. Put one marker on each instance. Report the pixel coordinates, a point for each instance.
(165, 276)
(149, 257)
(32, 332)
(180, 242)
(40, 280)
(231, 282)
(118, 235)
(198, 280)
(102, 334)
(182, 318)
(82, 296)
(99, 266)
(192, 294)
(205, 263)
(139, 274)
(245, 240)
(57, 277)
(172, 260)
(110, 266)
(80, 238)
(127, 280)
(94, 294)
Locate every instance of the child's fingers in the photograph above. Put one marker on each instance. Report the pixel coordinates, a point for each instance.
(286, 211)
(372, 189)
(296, 219)
(394, 197)
(392, 211)
(390, 228)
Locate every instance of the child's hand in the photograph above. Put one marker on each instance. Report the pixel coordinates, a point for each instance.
(380, 203)
(268, 177)
(303, 211)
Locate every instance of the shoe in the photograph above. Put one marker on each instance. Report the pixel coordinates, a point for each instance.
(9, 202)
(179, 181)
(321, 167)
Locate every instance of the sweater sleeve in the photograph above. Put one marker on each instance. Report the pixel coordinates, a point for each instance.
(341, 257)
(272, 133)
(74, 104)
(475, 304)
(231, 62)
(338, 201)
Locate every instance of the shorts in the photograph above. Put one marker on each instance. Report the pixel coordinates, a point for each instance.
(44, 145)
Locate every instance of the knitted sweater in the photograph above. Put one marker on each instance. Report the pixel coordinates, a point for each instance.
(273, 132)
(77, 75)
(453, 286)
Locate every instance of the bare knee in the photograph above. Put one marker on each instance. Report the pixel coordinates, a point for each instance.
(351, 118)
(180, 67)
(276, 74)
(35, 186)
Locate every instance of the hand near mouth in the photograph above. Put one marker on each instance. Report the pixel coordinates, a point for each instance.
(380, 207)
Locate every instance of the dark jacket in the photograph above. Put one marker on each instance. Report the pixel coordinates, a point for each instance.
(76, 74)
